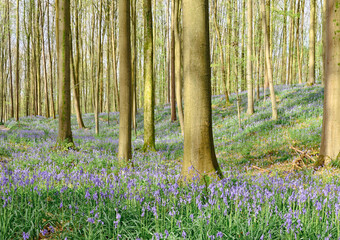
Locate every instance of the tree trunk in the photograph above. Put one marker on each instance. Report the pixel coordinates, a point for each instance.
(284, 48)
(10, 61)
(178, 64)
(330, 139)
(219, 42)
(63, 35)
(134, 63)
(269, 71)
(149, 91)
(17, 67)
(125, 116)
(311, 66)
(250, 109)
(199, 152)
(173, 84)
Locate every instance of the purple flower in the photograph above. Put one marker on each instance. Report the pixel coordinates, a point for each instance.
(184, 234)
(219, 234)
(25, 236)
(91, 220)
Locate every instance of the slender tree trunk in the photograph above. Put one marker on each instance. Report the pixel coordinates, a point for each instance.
(199, 152)
(17, 67)
(250, 109)
(330, 139)
(10, 61)
(97, 91)
(284, 48)
(51, 62)
(312, 34)
(324, 12)
(219, 42)
(178, 64)
(173, 76)
(63, 35)
(134, 62)
(125, 116)
(47, 104)
(269, 71)
(114, 63)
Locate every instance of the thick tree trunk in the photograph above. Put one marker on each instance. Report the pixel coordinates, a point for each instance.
(63, 35)
(149, 91)
(125, 116)
(199, 152)
(330, 139)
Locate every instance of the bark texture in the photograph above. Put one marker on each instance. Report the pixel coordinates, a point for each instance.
(125, 116)
(63, 32)
(149, 91)
(330, 140)
(199, 152)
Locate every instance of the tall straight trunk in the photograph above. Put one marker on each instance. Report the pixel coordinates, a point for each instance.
(324, 12)
(267, 19)
(229, 32)
(173, 79)
(330, 138)
(199, 153)
(17, 77)
(284, 48)
(108, 62)
(178, 64)
(63, 35)
(291, 45)
(312, 35)
(47, 104)
(221, 50)
(250, 109)
(134, 63)
(243, 48)
(51, 62)
(97, 81)
(168, 49)
(75, 70)
(149, 88)
(269, 71)
(297, 41)
(125, 116)
(301, 40)
(114, 63)
(10, 61)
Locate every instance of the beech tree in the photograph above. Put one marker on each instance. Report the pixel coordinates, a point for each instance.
(63, 34)
(149, 91)
(125, 116)
(199, 152)
(330, 139)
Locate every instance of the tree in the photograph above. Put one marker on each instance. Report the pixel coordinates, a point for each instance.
(199, 152)
(17, 67)
(149, 91)
(269, 69)
(250, 109)
(63, 35)
(330, 139)
(125, 116)
(178, 64)
(172, 53)
(311, 76)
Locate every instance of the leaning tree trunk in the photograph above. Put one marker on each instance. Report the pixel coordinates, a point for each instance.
(125, 116)
(149, 90)
(330, 139)
(199, 152)
(63, 35)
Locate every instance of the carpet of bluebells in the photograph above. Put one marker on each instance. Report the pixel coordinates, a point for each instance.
(83, 194)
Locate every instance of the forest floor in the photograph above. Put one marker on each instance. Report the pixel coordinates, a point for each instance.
(84, 194)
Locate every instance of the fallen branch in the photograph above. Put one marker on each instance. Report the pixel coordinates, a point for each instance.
(304, 154)
(261, 169)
